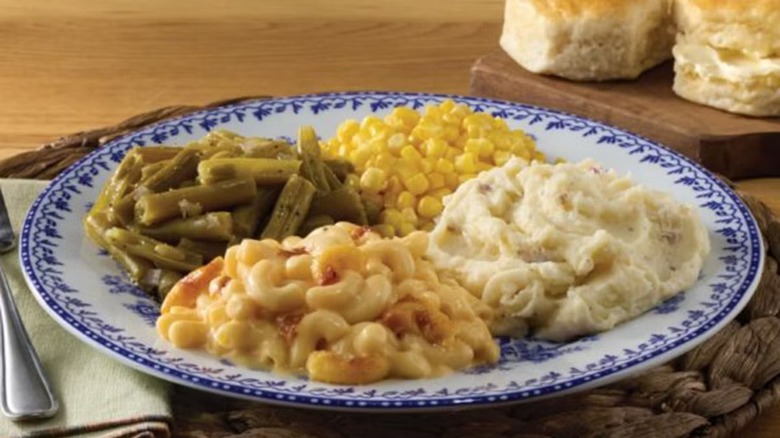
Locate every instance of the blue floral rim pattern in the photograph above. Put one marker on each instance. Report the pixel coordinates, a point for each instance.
(41, 237)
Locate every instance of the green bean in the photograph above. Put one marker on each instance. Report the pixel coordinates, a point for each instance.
(95, 226)
(123, 211)
(168, 279)
(246, 218)
(333, 181)
(343, 204)
(314, 222)
(372, 212)
(210, 226)
(309, 150)
(341, 168)
(221, 151)
(263, 170)
(155, 154)
(290, 210)
(208, 250)
(160, 254)
(266, 148)
(127, 175)
(135, 266)
(183, 167)
(154, 208)
(150, 169)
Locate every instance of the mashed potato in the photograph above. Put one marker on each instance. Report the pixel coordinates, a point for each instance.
(566, 250)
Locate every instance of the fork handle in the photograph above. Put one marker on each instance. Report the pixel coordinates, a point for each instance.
(26, 393)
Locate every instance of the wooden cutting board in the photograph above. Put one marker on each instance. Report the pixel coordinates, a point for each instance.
(735, 146)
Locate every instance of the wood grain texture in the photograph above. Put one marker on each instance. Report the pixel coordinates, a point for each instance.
(81, 64)
(732, 145)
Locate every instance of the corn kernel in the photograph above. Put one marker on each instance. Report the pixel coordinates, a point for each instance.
(440, 193)
(373, 180)
(384, 161)
(406, 169)
(347, 130)
(411, 153)
(405, 200)
(451, 180)
(406, 229)
(501, 157)
(466, 163)
(429, 207)
(385, 230)
(408, 215)
(482, 166)
(452, 153)
(435, 148)
(465, 177)
(396, 142)
(436, 180)
(417, 184)
(427, 165)
(447, 106)
(428, 227)
(392, 217)
(444, 166)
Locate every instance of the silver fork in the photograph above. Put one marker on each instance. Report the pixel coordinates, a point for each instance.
(26, 393)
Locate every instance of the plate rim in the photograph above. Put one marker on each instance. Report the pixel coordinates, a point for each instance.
(640, 363)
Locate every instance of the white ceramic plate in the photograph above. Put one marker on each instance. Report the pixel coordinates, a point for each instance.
(83, 290)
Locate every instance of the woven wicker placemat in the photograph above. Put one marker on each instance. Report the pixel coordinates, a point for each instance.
(713, 391)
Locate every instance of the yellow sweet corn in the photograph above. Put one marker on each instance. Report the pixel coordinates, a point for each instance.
(408, 161)
(429, 207)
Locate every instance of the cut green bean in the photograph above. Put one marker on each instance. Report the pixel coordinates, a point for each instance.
(154, 208)
(123, 212)
(343, 204)
(309, 150)
(154, 154)
(208, 250)
(372, 212)
(183, 167)
(151, 169)
(168, 279)
(246, 218)
(266, 148)
(135, 266)
(263, 170)
(160, 254)
(314, 222)
(333, 181)
(290, 210)
(210, 226)
(341, 168)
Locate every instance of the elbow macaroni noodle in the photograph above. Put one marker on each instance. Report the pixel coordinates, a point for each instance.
(343, 305)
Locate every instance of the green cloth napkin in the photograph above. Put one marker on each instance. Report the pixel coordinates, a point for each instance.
(98, 396)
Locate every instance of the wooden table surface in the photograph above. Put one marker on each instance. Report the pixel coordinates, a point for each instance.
(80, 64)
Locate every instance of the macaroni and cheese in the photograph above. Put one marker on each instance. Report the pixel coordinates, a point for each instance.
(343, 305)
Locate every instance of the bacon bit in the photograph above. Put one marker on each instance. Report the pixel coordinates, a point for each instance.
(360, 232)
(328, 276)
(293, 252)
(288, 326)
